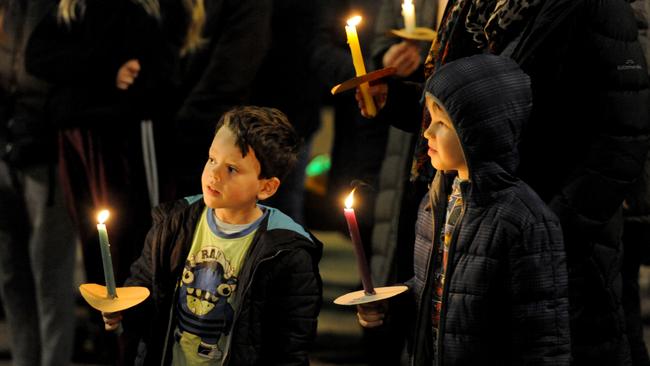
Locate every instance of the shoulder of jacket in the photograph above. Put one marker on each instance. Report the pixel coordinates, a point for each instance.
(169, 210)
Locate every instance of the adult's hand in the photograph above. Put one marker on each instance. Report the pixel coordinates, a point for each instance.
(127, 74)
(403, 56)
(379, 93)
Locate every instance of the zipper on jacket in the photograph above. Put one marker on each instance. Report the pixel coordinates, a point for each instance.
(445, 288)
(169, 322)
(427, 282)
(241, 298)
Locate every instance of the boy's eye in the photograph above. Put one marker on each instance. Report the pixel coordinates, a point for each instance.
(210, 161)
(232, 169)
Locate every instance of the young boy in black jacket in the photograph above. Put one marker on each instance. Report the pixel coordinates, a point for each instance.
(232, 282)
(490, 282)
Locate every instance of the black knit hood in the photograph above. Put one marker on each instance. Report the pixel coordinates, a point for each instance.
(489, 99)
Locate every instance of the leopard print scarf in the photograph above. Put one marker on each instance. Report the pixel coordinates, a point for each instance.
(469, 27)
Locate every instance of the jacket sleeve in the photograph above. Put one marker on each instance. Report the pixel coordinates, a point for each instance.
(292, 310)
(237, 52)
(539, 297)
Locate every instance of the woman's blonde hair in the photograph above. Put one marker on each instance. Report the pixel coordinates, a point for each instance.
(194, 36)
(71, 10)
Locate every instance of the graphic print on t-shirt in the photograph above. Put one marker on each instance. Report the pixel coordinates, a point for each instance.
(206, 284)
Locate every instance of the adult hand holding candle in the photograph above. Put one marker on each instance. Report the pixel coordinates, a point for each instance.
(357, 60)
(106, 253)
(353, 227)
(408, 12)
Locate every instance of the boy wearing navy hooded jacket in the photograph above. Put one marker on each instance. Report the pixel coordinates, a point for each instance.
(490, 284)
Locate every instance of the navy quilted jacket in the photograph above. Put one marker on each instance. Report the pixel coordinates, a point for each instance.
(281, 290)
(505, 298)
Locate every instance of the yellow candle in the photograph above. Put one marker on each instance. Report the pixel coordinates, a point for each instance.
(408, 12)
(357, 60)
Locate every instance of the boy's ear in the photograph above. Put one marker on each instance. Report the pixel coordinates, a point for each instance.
(268, 188)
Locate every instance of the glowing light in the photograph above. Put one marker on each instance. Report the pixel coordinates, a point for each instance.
(354, 21)
(349, 200)
(102, 216)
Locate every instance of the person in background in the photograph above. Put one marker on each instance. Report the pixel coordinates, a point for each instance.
(287, 82)
(212, 55)
(100, 58)
(37, 244)
(636, 229)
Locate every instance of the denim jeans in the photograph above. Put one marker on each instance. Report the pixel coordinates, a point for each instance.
(37, 249)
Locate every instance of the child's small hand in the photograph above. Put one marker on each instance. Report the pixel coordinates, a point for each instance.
(127, 74)
(403, 56)
(112, 321)
(379, 93)
(371, 315)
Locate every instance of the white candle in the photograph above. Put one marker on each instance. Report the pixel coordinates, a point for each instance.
(408, 12)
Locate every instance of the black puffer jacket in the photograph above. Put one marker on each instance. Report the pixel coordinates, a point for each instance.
(280, 298)
(82, 61)
(584, 150)
(505, 297)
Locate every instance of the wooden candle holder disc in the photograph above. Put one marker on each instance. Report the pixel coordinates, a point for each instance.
(418, 34)
(360, 297)
(356, 81)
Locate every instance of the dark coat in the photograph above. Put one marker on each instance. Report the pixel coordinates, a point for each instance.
(505, 297)
(280, 298)
(82, 61)
(203, 84)
(26, 133)
(584, 150)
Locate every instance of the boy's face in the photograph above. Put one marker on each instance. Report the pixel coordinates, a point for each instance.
(445, 150)
(231, 182)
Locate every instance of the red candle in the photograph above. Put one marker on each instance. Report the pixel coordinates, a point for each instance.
(351, 219)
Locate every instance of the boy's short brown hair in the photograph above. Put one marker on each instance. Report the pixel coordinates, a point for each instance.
(268, 132)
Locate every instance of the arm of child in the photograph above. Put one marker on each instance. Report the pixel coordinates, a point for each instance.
(539, 297)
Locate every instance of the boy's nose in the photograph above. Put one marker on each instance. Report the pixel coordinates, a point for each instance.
(216, 173)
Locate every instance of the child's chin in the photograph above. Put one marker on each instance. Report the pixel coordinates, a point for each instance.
(210, 202)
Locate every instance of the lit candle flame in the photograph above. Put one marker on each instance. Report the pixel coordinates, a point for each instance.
(102, 216)
(408, 2)
(354, 21)
(349, 200)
